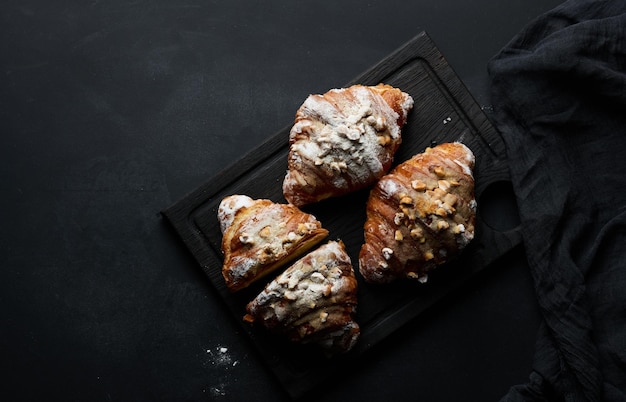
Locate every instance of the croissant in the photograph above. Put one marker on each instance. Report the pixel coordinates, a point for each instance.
(343, 140)
(312, 302)
(420, 215)
(259, 236)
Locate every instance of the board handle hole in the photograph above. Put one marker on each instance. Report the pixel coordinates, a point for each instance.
(498, 207)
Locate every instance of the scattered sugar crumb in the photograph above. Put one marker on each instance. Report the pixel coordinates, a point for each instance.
(219, 356)
(215, 391)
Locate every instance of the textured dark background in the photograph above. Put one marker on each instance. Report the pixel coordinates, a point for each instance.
(111, 111)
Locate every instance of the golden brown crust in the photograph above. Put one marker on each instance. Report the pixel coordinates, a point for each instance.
(420, 215)
(260, 236)
(343, 140)
(313, 301)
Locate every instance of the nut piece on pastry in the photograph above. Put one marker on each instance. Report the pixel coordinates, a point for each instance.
(420, 215)
(343, 140)
(312, 302)
(260, 236)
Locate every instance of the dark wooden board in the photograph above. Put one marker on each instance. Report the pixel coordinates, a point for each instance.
(444, 111)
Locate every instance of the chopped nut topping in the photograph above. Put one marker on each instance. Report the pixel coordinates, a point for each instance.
(439, 171)
(458, 229)
(418, 185)
(441, 212)
(265, 232)
(264, 256)
(406, 200)
(292, 236)
(377, 122)
(408, 212)
(443, 184)
(352, 134)
(387, 253)
(246, 239)
(397, 219)
(442, 225)
(323, 316)
(312, 304)
(293, 281)
(398, 236)
(420, 212)
(472, 205)
(412, 275)
(416, 233)
(428, 255)
(450, 199)
(449, 209)
(454, 183)
(439, 193)
(342, 129)
(304, 228)
(384, 140)
(338, 166)
(317, 277)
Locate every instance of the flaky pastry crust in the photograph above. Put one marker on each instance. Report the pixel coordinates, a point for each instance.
(259, 236)
(420, 215)
(343, 140)
(313, 301)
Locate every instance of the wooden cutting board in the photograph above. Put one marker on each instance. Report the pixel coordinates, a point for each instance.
(444, 111)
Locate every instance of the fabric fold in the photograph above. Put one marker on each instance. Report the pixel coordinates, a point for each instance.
(559, 99)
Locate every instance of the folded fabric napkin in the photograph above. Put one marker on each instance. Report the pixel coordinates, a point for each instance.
(559, 98)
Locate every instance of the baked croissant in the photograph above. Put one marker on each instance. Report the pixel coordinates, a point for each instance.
(259, 236)
(313, 301)
(420, 215)
(343, 140)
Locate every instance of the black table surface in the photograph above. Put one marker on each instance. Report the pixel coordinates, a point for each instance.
(110, 111)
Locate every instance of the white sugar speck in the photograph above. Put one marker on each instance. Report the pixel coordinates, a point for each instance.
(219, 356)
(217, 391)
(219, 359)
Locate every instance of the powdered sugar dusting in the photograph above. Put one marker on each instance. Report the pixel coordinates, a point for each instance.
(219, 358)
(229, 207)
(390, 186)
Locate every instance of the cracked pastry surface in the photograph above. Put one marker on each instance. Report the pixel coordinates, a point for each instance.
(420, 215)
(343, 140)
(312, 301)
(259, 236)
